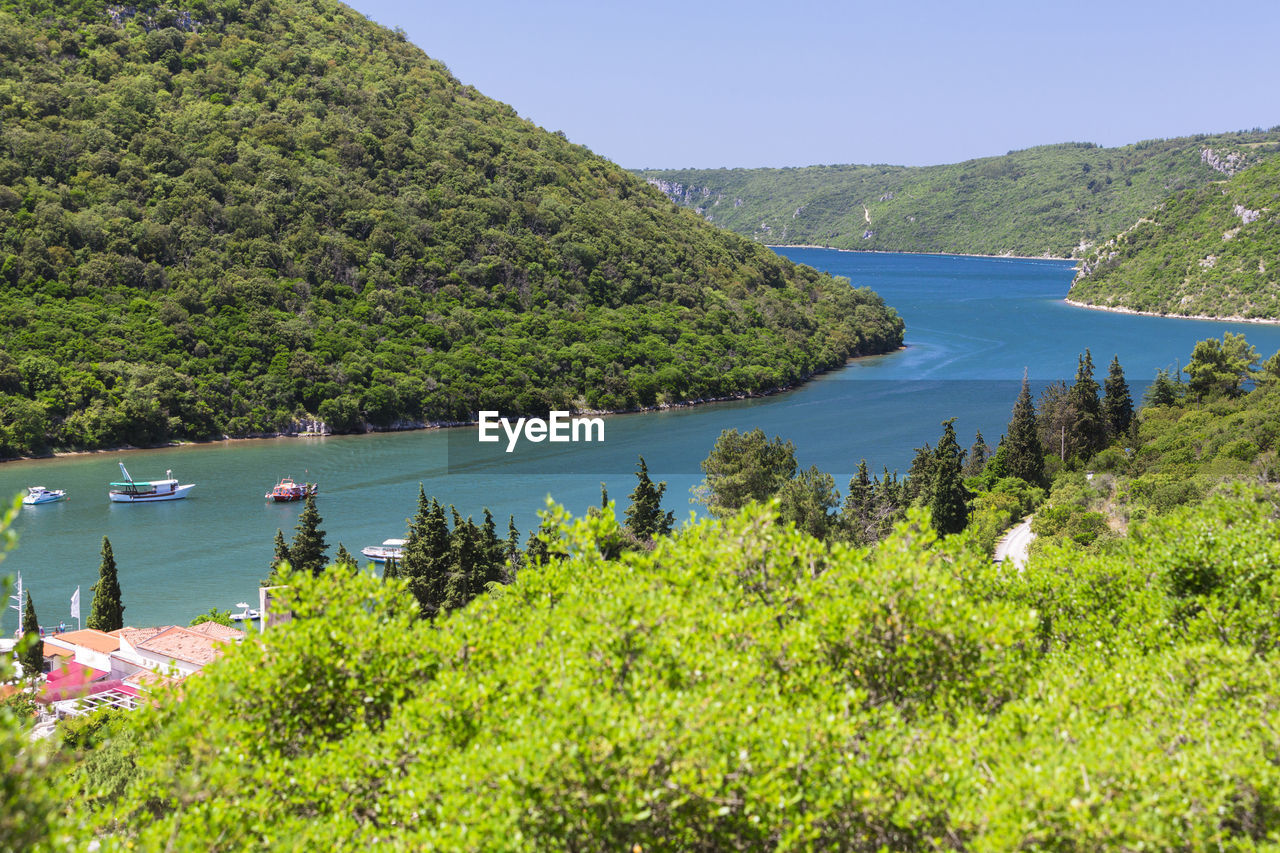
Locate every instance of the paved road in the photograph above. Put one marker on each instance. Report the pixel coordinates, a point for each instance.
(1014, 544)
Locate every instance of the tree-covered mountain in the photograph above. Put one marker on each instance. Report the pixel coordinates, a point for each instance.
(222, 218)
(1214, 252)
(1049, 200)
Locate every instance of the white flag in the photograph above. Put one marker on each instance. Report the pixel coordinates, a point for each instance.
(75, 604)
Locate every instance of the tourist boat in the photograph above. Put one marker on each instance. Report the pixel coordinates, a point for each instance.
(41, 495)
(389, 549)
(287, 490)
(148, 491)
(246, 614)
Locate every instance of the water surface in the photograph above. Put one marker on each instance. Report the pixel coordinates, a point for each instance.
(973, 326)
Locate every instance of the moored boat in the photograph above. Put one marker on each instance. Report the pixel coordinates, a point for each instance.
(148, 491)
(287, 490)
(41, 495)
(389, 549)
(246, 614)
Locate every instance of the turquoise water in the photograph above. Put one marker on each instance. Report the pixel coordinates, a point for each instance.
(973, 325)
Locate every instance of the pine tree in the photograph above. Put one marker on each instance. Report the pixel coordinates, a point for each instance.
(948, 498)
(807, 501)
(1164, 390)
(306, 554)
(920, 474)
(976, 461)
(108, 608)
(426, 555)
(745, 467)
(645, 518)
(344, 558)
(31, 654)
(1024, 456)
(1117, 404)
(495, 557)
(1089, 430)
(465, 563)
(855, 515)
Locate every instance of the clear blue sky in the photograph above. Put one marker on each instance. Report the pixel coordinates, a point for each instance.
(706, 84)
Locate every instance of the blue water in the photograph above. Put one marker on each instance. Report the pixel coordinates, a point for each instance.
(973, 326)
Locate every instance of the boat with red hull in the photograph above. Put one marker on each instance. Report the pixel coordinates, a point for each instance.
(287, 490)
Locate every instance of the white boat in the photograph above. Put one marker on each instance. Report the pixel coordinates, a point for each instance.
(390, 548)
(41, 495)
(148, 491)
(246, 614)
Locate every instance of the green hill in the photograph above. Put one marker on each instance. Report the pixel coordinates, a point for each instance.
(224, 219)
(1046, 200)
(1212, 252)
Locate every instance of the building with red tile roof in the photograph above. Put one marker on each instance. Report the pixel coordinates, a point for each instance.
(180, 648)
(221, 633)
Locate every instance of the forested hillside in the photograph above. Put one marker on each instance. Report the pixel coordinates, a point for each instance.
(1045, 200)
(221, 219)
(1213, 252)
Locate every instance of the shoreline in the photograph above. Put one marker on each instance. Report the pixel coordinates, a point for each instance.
(932, 254)
(432, 425)
(1120, 310)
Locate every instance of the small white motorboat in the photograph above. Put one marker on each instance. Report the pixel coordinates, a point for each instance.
(246, 614)
(387, 550)
(41, 495)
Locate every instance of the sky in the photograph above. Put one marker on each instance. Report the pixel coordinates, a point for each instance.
(747, 84)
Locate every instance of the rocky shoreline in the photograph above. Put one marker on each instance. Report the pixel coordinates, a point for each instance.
(1120, 310)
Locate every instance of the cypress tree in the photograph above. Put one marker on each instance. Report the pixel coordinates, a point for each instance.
(1024, 455)
(645, 518)
(307, 551)
(948, 498)
(32, 656)
(108, 608)
(513, 555)
(1117, 404)
(391, 568)
(281, 554)
(344, 558)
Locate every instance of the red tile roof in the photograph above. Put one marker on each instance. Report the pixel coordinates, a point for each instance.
(88, 638)
(221, 633)
(183, 644)
(134, 636)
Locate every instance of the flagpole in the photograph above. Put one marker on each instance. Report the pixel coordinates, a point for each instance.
(17, 588)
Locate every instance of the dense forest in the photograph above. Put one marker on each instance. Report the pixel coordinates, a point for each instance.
(229, 217)
(1212, 252)
(742, 684)
(1050, 200)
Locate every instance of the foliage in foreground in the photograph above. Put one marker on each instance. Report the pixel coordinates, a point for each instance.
(744, 686)
(230, 217)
